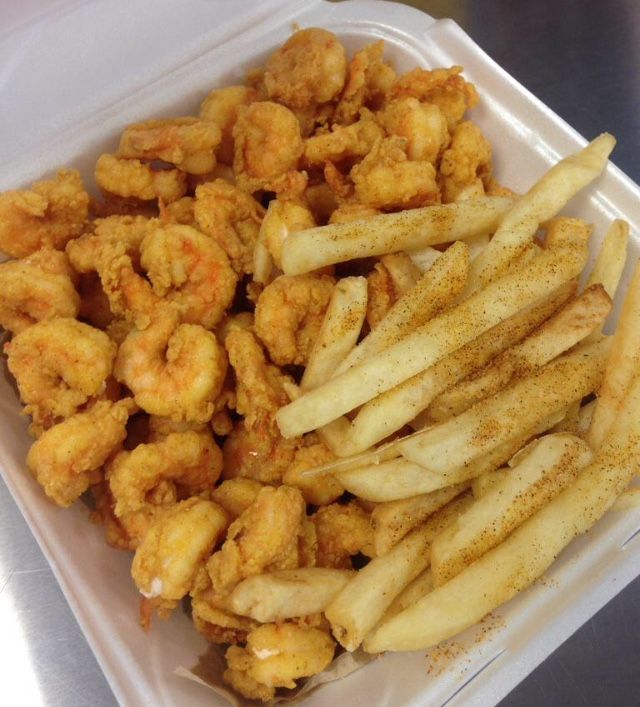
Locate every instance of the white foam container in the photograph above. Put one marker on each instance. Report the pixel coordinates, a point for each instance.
(113, 63)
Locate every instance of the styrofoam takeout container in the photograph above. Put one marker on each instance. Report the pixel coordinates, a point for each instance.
(113, 63)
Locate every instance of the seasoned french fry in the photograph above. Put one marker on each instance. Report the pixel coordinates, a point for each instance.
(514, 564)
(339, 332)
(424, 258)
(437, 288)
(547, 196)
(608, 267)
(552, 465)
(564, 230)
(483, 483)
(578, 420)
(432, 341)
(575, 321)
(628, 499)
(622, 364)
(389, 233)
(403, 273)
(286, 594)
(391, 521)
(365, 598)
(415, 590)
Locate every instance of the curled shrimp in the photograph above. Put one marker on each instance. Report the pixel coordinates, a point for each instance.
(58, 365)
(343, 142)
(66, 458)
(174, 370)
(190, 270)
(38, 287)
(131, 178)
(466, 164)
(50, 213)
(187, 143)
(232, 218)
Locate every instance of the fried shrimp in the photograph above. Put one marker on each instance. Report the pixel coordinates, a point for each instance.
(174, 370)
(232, 218)
(466, 163)
(267, 145)
(66, 457)
(276, 655)
(308, 69)
(190, 270)
(342, 531)
(50, 213)
(343, 142)
(38, 287)
(236, 495)
(187, 143)
(58, 365)
(387, 179)
(131, 178)
(289, 315)
(318, 490)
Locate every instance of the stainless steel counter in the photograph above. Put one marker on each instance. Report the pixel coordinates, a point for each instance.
(582, 58)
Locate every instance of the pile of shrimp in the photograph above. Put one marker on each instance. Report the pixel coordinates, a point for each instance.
(153, 337)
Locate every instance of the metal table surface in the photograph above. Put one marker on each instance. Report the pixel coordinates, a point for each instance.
(582, 58)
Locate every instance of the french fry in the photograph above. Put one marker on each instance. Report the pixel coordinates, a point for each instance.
(483, 483)
(551, 466)
(389, 233)
(525, 555)
(424, 258)
(452, 445)
(437, 288)
(564, 229)
(578, 422)
(339, 332)
(286, 594)
(628, 499)
(403, 273)
(432, 341)
(543, 201)
(622, 364)
(391, 521)
(609, 264)
(365, 598)
(415, 590)
(574, 322)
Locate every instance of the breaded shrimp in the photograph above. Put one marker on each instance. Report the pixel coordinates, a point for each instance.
(318, 490)
(161, 427)
(387, 179)
(342, 531)
(66, 457)
(166, 562)
(289, 314)
(180, 211)
(131, 178)
(175, 370)
(232, 218)
(187, 143)
(190, 461)
(236, 495)
(58, 365)
(308, 69)
(276, 655)
(265, 537)
(221, 107)
(423, 125)
(391, 277)
(190, 270)
(50, 213)
(267, 145)
(443, 87)
(466, 163)
(343, 142)
(38, 287)
(352, 212)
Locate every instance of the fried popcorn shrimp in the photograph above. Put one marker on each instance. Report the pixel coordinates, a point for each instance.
(308, 69)
(369, 80)
(161, 427)
(343, 142)
(166, 562)
(94, 303)
(115, 533)
(191, 270)
(236, 495)
(318, 490)
(187, 143)
(443, 87)
(423, 125)
(391, 277)
(352, 212)
(264, 538)
(321, 201)
(50, 213)
(232, 218)
(174, 370)
(342, 531)
(282, 218)
(267, 144)
(387, 179)
(221, 107)
(289, 315)
(58, 365)
(38, 287)
(66, 457)
(466, 163)
(180, 211)
(276, 655)
(131, 178)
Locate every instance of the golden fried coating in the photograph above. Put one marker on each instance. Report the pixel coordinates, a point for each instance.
(343, 142)
(48, 214)
(342, 531)
(180, 211)
(466, 163)
(352, 212)
(391, 277)
(236, 495)
(289, 314)
(282, 218)
(131, 178)
(318, 490)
